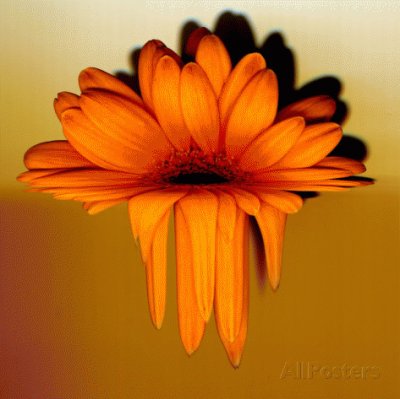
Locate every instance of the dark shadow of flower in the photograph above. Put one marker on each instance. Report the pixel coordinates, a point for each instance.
(132, 79)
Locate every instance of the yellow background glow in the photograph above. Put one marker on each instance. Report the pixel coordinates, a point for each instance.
(73, 307)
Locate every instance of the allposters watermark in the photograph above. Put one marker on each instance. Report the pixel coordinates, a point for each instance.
(307, 370)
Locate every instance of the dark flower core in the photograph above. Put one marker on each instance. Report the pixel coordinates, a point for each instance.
(195, 167)
(198, 178)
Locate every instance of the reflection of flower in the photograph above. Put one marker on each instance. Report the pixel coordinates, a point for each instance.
(206, 139)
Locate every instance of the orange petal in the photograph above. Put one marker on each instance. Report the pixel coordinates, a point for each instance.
(87, 186)
(281, 200)
(95, 207)
(31, 175)
(82, 178)
(355, 167)
(149, 56)
(199, 106)
(254, 111)
(94, 78)
(315, 185)
(200, 210)
(134, 138)
(156, 272)
(272, 144)
(318, 108)
(111, 193)
(234, 349)
(241, 75)
(53, 155)
(92, 144)
(64, 101)
(346, 183)
(229, 271)
(148, 59)
(146, 210)
(272, 226)
(167, 103)
(321, 185)
(245, 200)
(191, 323)
(213, 57)
(226, 212)
(314, 144)
(303, 174)
(92, 194)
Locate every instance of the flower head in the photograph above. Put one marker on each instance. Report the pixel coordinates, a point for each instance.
(206, 141)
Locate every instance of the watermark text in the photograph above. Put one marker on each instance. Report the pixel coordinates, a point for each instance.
(307, 370)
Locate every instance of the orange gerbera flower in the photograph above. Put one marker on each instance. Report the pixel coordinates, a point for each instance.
(206, 141)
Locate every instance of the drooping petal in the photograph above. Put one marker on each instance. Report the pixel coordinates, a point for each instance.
(167, 102)
(148, 59)
(213, 57)
(226, 212)
(253, 112)
(94, 78)
(200, 210)
(199, 107)
(314, 144)
(229, 271)
(234, 349)
(55, 155)
(191, 323)
(156, 272)
(64, 101)
(272, 144)
(318, 108)
(146, 211)
(272, 222)
(240, 76)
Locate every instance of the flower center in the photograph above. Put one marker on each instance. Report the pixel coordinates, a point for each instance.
(198, 178)
(195, 167)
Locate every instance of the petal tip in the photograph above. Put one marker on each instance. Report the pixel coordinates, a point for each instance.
(205, 312)
(274, 285)
(157, 323)
(86, 73)
(235, 360)
(21, 177)
(190, 350)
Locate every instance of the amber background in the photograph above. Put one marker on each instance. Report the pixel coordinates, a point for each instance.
(73, 309)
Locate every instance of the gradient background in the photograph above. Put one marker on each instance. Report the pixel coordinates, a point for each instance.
(73, 307)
